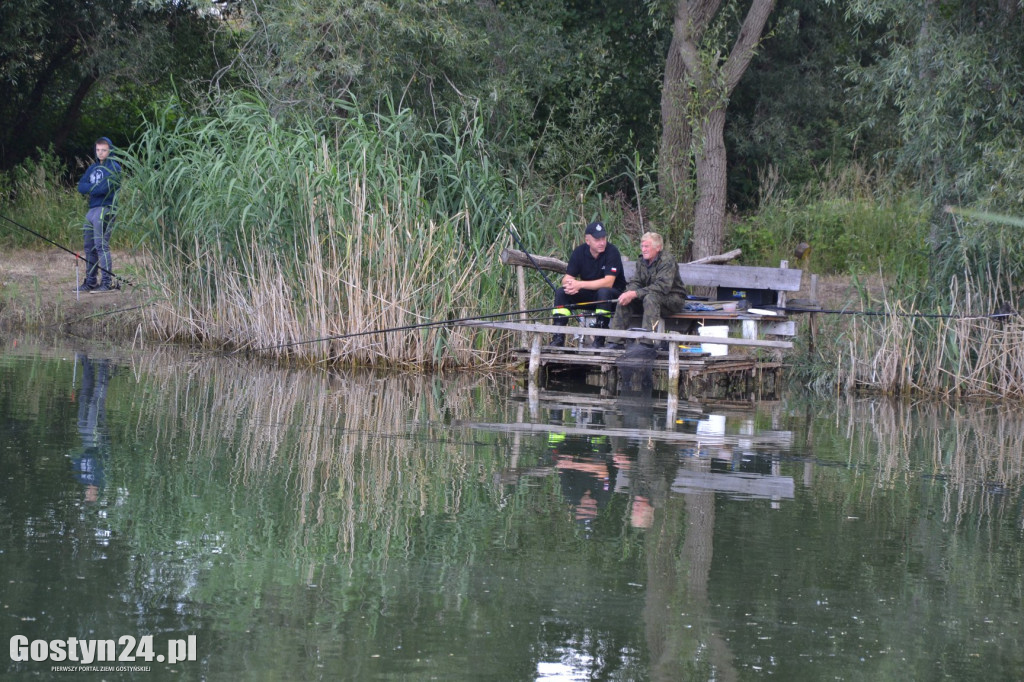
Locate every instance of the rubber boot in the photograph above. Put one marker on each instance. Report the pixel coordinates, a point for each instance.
(558, 340)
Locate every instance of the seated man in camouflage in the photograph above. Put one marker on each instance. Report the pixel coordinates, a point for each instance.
(654, 290)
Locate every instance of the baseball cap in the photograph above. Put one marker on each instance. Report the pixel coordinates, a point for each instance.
(596, 230)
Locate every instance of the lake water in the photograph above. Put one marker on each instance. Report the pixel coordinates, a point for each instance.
(271, 524)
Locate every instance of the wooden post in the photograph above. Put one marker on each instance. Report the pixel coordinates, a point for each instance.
(673, 369)
(534, 371)
(814, 317)
(533, 390)
(784, 265)
(521, 281)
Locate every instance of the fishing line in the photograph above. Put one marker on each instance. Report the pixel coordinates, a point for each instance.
(876, 313)
(104, 313)
(409, 327)
(64, 248)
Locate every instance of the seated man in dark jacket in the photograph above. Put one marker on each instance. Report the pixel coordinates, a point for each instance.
(593, 275)
(655, 288)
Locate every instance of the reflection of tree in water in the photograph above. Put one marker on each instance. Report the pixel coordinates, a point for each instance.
(92, 425)
(681, 638)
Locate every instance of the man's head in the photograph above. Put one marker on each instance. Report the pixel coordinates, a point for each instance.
(596, 237)
(651, 245)
(103, 146)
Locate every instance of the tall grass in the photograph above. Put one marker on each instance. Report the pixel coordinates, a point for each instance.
(265, 236)
(965, 350)
(35, 194)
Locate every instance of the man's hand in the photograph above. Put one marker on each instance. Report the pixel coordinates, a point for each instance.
(627, 297)
(571, 285)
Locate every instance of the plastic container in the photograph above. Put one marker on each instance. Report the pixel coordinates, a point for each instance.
(714, 349)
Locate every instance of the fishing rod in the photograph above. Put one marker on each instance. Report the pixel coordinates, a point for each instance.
(877, 313)
(408, 327)
(64, 248)
(515, 235)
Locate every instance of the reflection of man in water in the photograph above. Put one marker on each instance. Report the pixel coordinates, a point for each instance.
(585, 468)
(92, 425)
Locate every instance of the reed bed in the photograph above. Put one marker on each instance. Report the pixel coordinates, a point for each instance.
(961, 350)
(265, 238)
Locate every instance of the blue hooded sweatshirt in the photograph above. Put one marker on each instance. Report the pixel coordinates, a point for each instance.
(101, 180)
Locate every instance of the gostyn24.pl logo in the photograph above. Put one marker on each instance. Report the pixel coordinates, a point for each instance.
(126, 649)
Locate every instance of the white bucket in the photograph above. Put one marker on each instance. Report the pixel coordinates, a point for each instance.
(721, 332)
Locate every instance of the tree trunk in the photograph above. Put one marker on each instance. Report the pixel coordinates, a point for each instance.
(711, 185)
(714, 80)
(674, 172)
(18, 131)
(73, 112)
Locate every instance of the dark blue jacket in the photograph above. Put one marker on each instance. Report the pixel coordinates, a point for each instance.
(100, 182)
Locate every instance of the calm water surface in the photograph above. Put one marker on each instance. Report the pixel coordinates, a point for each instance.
(302, 525)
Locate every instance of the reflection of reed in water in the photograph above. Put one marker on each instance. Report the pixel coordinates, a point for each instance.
(978, 451)
(335, 452)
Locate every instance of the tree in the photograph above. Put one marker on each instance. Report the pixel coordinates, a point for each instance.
(63, 62)
(698, 82)
(953, 73)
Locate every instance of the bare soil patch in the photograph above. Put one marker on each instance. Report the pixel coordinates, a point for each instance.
(37, 292)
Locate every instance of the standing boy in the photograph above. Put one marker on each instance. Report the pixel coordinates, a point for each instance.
(99, 183)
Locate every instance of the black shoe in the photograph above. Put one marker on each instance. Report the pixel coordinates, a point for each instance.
(558, 340)
(596, 342)
(101, 289)
(83, 288)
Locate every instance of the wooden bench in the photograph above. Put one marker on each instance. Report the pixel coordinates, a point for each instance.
(758, 288)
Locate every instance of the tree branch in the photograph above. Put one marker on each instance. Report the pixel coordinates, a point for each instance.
(750, 35)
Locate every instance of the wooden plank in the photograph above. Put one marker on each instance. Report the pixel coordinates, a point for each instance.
(738, 483)
(736, 276)
(516, 257)
(617, 334)
(779, 328)
(693, 274)
(760, 439)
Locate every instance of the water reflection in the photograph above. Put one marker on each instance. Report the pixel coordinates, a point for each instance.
(87, 463)
(352, 526)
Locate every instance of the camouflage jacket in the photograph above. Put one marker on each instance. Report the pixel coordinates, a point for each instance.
(658, 277)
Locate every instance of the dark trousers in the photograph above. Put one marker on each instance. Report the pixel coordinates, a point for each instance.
(652, 307)
(99, 223)
(566, 306)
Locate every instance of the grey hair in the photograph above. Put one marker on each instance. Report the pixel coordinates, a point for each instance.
(655, 239)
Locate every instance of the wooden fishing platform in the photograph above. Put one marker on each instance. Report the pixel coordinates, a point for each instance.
(727, 348)
(681, 363)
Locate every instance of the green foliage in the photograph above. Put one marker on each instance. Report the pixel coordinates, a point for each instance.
(850, 228)
(33, 194)
(953, 72)
(981, 256)
(376, 224)
(789, 113)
